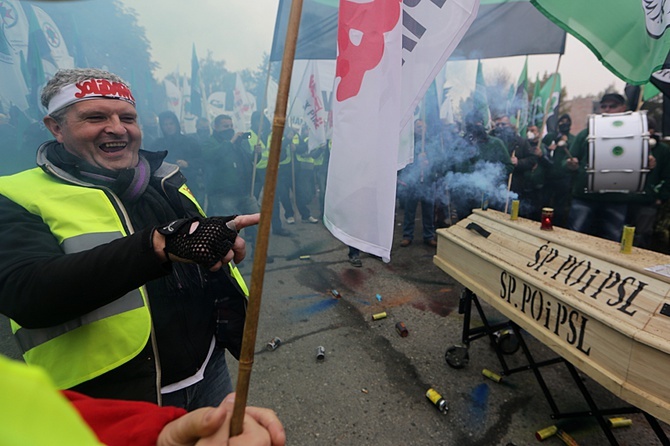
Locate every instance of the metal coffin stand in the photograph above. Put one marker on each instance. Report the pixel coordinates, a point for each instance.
(602, 311)
(457, 356)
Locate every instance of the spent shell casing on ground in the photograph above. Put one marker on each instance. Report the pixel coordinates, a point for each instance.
(619, 422)
(401, 328)
(545, 433)
(377, 316)
(437, 400)
(320, 353)
(273, 343)
(492, 375)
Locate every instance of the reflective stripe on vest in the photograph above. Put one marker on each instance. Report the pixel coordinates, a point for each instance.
(282, 162)
(80, 218)
(304, 158)
(265, 154)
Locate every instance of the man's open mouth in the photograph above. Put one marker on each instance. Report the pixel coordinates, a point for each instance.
(112, 147)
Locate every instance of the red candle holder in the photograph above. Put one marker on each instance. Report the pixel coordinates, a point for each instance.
(546, 219)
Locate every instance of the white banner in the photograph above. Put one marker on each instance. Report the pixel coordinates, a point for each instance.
(431, 32)
(271, 99)
(216, 104)
(14, 89)
(174, 99)
(15, 26)
(383, 70)
(360, 195)
(54, 38)
(243, 106)
(309, 106)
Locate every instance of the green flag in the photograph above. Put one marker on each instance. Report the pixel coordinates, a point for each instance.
(650, 90)
(520, 106)
(550, 94)
(628, 36)
(481, 101)
(536, 110)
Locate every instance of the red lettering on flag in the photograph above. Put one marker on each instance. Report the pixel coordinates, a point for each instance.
(372, 20)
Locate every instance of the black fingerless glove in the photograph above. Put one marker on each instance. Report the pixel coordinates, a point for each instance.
(205, 245)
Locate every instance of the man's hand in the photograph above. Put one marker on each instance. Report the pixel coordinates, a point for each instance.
(239, 249)
(572, 163)
(208, 245)
(211, 426)
(236, 136)
(652, 161)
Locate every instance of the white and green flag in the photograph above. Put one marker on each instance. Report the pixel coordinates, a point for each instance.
(629, 37)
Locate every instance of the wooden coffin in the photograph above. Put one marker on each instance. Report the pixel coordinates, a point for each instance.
(600, 309)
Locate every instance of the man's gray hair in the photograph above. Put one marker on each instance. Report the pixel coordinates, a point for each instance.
(72, 76)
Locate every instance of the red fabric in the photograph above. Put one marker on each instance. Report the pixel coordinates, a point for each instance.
(118, 422)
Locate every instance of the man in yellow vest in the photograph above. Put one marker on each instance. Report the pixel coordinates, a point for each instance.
(116, 283)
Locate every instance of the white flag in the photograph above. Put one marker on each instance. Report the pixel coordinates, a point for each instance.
(216, 104)
(14, 89)
(309, 104)
(431, 33)
(366, 114)
(174, 98)
(54, 38)
(271, 99)
(242, 107)
(383, 69)
(15, 25)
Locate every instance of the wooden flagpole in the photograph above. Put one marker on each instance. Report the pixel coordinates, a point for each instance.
(509, 185)
(260, 257)
(640, 99)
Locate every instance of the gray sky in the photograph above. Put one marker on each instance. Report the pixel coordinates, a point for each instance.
(240, 31)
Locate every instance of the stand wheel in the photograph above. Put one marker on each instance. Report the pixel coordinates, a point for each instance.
(457, 356)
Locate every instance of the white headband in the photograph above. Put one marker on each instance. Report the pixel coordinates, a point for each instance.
(89, 89)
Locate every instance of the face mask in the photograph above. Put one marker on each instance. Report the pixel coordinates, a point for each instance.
(564, 128)
(225, 135)
(531, 135)
(476, 130)
(652, 142)
(228, 134)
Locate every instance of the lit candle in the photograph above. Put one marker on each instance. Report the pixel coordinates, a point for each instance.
(547, 217)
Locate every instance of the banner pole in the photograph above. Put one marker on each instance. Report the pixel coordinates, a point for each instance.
(260, 257)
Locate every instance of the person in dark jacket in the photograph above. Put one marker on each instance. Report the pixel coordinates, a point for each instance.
(229, 162)
(182, 150)
(115, 282)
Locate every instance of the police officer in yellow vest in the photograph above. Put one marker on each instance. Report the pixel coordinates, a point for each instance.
(116, 283)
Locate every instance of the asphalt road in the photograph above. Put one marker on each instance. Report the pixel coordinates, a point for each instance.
(370, 388)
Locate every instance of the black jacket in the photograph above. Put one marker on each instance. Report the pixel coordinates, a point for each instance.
(40, 286)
